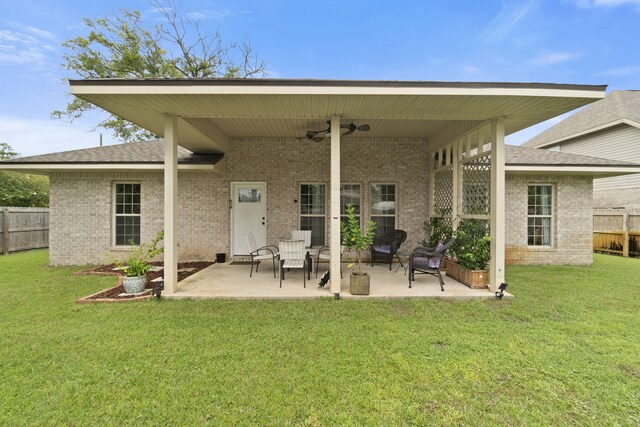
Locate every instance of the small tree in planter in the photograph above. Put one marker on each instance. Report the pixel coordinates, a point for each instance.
(355, 240)
(137, 264)
(472, 251)
(438, 229)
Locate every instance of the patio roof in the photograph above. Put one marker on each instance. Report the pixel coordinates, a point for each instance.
(213, 110)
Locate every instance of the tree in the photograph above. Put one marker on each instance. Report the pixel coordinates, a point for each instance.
(6, 152)
(20, 189)
(123, 47)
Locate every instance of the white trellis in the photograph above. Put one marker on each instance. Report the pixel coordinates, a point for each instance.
(467, 182)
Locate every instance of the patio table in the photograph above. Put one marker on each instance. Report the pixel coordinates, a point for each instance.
(403, 257)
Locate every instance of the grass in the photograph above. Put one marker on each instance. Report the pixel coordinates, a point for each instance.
(565, 351)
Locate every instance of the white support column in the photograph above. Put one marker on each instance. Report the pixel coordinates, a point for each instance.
(170, 203)
(334, 223)
(456, 179)
(498, 228)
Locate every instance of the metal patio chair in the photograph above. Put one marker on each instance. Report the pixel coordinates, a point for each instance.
(293, 255)
(324, 254)
(258, 254)
(305, 235)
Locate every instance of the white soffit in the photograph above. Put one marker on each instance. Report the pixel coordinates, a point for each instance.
(287, 108)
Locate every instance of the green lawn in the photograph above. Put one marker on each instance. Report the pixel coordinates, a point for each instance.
(566, 350)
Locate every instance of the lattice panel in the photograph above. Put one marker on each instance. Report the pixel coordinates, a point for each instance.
(476, 186)
(443, 191)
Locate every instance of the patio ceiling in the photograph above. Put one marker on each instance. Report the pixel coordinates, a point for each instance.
(215, 110)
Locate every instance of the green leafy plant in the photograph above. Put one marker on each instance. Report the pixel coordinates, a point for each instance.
(137, 263)
(472, 244)
(438, 229)
(352, 236)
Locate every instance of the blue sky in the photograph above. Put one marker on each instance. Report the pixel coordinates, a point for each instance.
(570, 41)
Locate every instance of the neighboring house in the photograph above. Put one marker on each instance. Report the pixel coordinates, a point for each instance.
(609, 128)
(236, 156)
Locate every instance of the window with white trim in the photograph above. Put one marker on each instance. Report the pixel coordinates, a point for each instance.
(540, 215)
(127, 214)
(383, 207)
(313, 211)
(350, 194)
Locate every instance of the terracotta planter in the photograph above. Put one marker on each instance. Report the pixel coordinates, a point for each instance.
(475, 279)
(134, 285)
(359, 284)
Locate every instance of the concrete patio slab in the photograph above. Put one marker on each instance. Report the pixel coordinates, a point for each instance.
(233, 281)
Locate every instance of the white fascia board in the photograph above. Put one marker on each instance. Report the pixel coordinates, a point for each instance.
(576, 170)
(147, 89)
(99, 167)
(588, 131)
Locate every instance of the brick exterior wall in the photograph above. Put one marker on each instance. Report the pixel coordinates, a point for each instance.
(573, 221)
(81, 221)
(82, 211)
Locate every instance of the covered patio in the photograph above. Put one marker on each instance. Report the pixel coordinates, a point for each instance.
(456, 129)
(232, 281)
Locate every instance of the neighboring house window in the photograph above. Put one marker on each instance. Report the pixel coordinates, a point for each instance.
(350, 194)
(127, 214)
(383, 207)
(312, 211)
(539, 215)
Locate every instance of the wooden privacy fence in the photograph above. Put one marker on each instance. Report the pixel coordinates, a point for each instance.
(617, 231)
(23, 228)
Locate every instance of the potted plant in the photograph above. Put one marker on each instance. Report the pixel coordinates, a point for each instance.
(471, 251)
(135, 267)
(356, 241)
(439, 230)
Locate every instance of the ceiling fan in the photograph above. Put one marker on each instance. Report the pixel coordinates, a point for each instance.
(319, 135)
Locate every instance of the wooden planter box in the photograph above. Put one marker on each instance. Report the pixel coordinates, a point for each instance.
(475, 279)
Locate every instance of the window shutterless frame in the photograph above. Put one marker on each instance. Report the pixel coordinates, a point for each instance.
(351, 192)
(127, 213)
(540, 215)
(383, 206)
(313, 210)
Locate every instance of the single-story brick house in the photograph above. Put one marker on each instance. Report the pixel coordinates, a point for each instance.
(275, 155)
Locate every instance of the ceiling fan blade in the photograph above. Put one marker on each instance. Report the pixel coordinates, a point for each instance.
(347, 133)
(364, 128)
(318, 139)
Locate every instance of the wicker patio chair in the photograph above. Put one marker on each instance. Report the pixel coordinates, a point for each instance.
(258, 254)
(387, 246)
(428, 261)
(293, 255)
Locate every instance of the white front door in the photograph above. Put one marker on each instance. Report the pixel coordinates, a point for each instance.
(248, 213)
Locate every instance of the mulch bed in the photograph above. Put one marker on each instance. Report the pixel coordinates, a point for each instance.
(113, 294)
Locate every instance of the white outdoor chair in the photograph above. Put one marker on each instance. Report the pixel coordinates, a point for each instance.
(324, 254)
(293, 255)
(305, 235)
(258, 254)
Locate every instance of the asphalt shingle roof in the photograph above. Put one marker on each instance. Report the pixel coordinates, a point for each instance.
(135, 152)
(153, 152)
(527, 156)
(619, 104)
